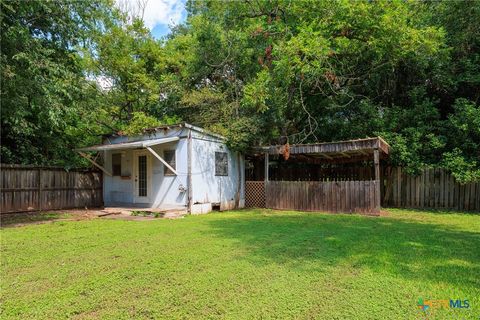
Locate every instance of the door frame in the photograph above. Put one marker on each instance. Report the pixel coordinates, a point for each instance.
(136, 197)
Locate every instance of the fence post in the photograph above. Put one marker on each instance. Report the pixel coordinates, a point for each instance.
(39, 189)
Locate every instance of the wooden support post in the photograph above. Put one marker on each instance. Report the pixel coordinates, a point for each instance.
(162, 160)
(94, 163)
(266, 167)
(189, 171)
(239, 181)
(376, 161)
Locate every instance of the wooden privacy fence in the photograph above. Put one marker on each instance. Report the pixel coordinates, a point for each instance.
(334, 196)
(29, 188)
(433, 188)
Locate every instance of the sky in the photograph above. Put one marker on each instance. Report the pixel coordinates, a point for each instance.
(159, 15)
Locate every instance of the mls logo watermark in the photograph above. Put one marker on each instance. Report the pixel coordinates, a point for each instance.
(444, 304)
(459, 304)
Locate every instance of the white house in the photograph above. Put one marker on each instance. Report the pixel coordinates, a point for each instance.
(171, 167)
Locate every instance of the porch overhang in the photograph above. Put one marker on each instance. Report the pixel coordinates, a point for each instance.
(129, 145)
(144, 144)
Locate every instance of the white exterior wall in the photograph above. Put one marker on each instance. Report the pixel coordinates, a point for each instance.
(166, 188)
(115, 189)
(207, 189)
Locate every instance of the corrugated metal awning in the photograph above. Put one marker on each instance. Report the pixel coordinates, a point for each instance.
(130, 145)
(336, 148)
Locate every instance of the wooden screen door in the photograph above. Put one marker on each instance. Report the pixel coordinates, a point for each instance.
(142, 176)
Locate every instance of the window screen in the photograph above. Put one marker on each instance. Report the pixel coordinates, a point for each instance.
(169, 157)
(117, 164)
(221, 164)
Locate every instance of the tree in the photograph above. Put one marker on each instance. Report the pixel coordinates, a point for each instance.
(42, 79)
(258, 72)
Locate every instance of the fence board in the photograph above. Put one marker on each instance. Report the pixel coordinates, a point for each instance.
(333, 196)
(442, 186)
(433, 188)
(408, 188)
(29, 188)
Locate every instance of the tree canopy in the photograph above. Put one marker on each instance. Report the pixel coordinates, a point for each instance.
(258, 72)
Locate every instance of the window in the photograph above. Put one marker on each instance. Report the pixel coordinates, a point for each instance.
(221, 164)
(117, 164)
(169, 157)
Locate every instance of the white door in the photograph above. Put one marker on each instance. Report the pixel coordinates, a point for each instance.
(142, 176)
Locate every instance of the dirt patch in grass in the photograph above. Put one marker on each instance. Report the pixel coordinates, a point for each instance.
(26, 218)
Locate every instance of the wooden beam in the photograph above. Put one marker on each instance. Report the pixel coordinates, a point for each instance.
(376, 161)
(326, 156)
(239, 181)
(94, 163)
(345, 154)
(162, 160)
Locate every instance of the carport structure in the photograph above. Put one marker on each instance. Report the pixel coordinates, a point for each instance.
(341, 176)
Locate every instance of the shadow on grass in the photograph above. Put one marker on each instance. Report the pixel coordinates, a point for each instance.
(25, 218)
(436, 211)
(412, 250)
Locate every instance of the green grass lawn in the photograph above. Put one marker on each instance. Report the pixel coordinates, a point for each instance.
(243, 265)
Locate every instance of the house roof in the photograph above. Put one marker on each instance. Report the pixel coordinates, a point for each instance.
(185, 125)
(141, 142)
(173, 126)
